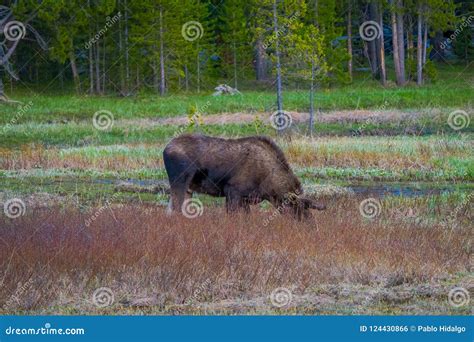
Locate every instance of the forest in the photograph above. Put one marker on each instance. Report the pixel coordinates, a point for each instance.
(126, 47)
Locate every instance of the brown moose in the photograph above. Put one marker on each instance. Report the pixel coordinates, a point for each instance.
(245, 171)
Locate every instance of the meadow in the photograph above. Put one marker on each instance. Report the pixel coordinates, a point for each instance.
(93, 212)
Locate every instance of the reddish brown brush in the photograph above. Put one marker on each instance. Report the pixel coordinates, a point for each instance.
(63, 256)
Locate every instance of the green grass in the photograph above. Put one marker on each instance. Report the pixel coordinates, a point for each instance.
(453, 90)
(81, 134)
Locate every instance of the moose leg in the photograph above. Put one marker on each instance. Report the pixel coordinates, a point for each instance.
(233, 200)
(245, 205)
(178, 194)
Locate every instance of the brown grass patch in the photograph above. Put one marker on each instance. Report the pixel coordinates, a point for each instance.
(140, 252)
(340, 116)
(368, 152)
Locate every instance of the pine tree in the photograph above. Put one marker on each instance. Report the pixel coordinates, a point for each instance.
(235, 38)
(463, 46)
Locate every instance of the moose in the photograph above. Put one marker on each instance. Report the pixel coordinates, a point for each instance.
(245, 171)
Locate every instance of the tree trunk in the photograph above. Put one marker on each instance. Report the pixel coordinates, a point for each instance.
(425, 42)
(349, 41)
(121, 74)
(277, 54)
(410, 48)
(311, 101)
(75, 73)
(380, 47)
(372, 48)
(162, 57)
(235, 65)
(401, 41)
(419, 53)
(156, 83)
(127, 66)
(198, 70)
(396, 54)
(91, 70)
(104, 69)
(260, 61)
(410, 38)
(97, 67)
(437, 41)
(186, 77)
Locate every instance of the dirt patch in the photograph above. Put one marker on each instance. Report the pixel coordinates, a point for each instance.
(32, 201)
(348, 116)
(341, 298)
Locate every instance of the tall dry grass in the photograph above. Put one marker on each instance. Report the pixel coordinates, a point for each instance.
(380, 152)
(140, 252)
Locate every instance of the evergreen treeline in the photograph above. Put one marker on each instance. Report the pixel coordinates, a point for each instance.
(166, 46)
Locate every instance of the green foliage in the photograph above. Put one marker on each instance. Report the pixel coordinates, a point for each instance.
(463, 46)
(429, 70)
(145, 49)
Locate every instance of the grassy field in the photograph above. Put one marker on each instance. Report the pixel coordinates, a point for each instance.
(454, 89)
(94, 200)
(218, 264)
